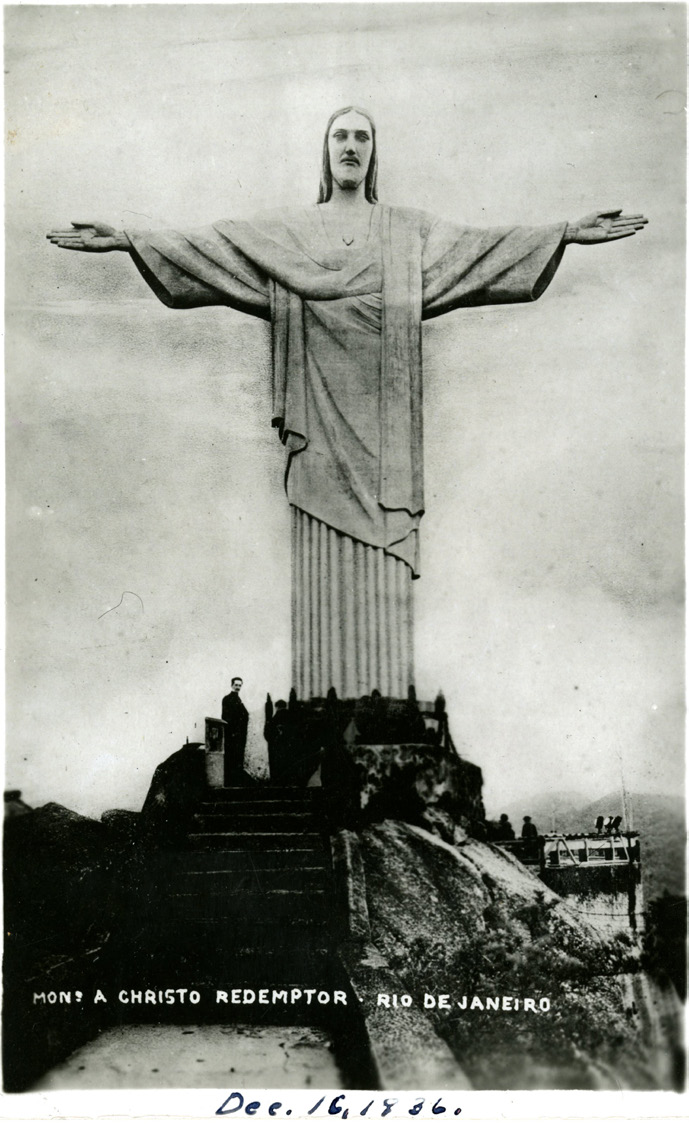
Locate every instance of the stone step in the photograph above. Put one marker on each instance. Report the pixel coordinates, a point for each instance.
(226, 943)
(204, 967)
(225, 933)
(288, 925)
(279, 963)
(228, 949)
(272, 822)
(295, 900)
(263, 861)
(228, 840)
(259, 805)
(234, 794)
(251, 904)
(221, 882)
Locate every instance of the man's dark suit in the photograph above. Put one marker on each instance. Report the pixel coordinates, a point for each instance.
(236, 720)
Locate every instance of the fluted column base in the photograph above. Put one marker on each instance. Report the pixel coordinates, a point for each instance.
(352, 615)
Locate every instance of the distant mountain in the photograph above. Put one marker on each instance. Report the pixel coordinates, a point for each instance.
(549, 811)
(659, 818)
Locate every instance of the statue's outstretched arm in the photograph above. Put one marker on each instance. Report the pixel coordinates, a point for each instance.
(95, 238)
(184, 270)
(604, 227)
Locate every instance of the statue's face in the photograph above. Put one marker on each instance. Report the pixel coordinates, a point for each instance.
(350, 145)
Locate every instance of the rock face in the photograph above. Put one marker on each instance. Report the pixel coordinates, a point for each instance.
(57, 871)
(471, 923)
(415, 782)
(177, 787)
(63, 906)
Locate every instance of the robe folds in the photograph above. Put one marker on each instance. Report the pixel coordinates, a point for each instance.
(347, 399)
(346, 333)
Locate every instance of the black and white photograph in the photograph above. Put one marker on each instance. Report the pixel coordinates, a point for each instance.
(345, 578)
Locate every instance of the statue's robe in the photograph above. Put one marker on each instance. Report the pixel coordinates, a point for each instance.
(347, 398)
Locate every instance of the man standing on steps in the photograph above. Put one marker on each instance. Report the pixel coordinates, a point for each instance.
(236, 720)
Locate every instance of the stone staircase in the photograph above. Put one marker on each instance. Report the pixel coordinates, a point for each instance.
(249, 901)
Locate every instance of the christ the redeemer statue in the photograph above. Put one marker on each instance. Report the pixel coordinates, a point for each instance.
(346, 285)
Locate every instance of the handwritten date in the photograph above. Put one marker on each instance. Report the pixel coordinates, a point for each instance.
(235, 1102)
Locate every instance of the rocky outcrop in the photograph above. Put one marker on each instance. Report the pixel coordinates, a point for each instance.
(177, 787)
(418, 783)
(57, 871)
(63, 909)
(470, 924)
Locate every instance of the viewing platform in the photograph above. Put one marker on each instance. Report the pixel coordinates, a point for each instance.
(583, 850)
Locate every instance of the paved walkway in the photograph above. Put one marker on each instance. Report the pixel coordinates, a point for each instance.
(200, 1056)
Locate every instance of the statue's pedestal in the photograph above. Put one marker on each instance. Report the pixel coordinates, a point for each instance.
(420, 783)
(379, 757)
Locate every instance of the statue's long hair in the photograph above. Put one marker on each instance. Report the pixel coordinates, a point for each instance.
(371, 183)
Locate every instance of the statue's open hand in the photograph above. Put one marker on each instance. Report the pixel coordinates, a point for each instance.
(604, 226)
(93, 237)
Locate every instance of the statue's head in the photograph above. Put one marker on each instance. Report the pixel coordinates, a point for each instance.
(349, 153)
